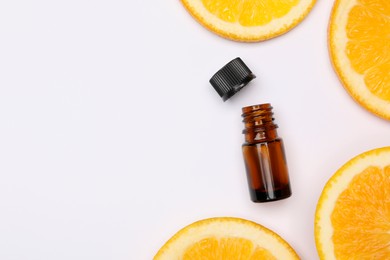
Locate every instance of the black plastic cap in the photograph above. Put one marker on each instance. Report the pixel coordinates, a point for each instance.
(231, 78)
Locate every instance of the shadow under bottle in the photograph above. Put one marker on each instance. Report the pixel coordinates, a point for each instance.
(264, 156)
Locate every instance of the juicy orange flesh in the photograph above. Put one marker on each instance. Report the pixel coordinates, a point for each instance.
(361, 217)
(368, 48)
(249, 12)
(226, 248)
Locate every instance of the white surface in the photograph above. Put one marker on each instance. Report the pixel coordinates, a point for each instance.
(112, 139)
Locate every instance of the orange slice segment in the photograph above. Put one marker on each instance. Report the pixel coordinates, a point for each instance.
(249, 20)
(353, 213)
(226, 238)
(359, 36)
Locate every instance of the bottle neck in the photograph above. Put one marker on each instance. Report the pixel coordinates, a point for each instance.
(259, 124)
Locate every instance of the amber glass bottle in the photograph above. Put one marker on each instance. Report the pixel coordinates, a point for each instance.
(264, 156)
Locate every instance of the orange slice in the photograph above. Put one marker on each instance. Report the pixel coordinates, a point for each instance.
(359, 45)
(249, 20)
(226, 238)
(353, 214)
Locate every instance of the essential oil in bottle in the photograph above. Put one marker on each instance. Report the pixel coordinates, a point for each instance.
(264, 156)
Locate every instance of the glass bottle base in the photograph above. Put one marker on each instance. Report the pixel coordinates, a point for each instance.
(264, 196)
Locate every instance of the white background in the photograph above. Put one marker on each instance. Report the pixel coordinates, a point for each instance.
(112, 139)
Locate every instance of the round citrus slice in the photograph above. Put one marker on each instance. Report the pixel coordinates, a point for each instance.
(249, 20)
(359, 36)
(226, 238)
(352, 219)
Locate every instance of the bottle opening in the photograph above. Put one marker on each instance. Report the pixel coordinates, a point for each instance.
(261, 107)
